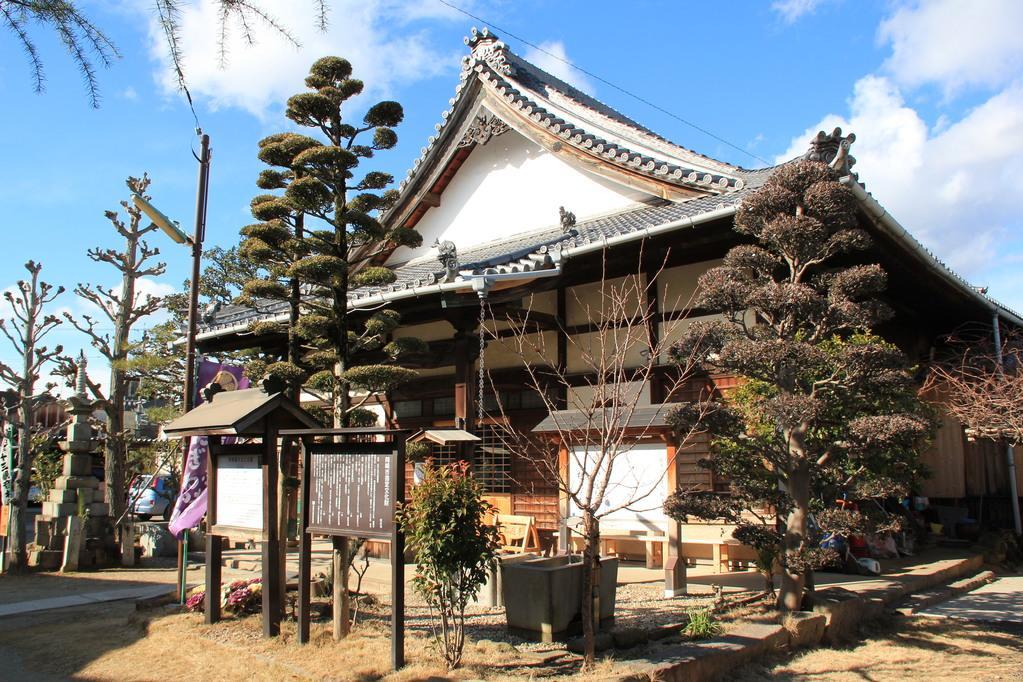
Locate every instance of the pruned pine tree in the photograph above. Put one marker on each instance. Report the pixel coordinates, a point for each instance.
(119, 308)
(828, 405)
(26, 328)
(317, 239)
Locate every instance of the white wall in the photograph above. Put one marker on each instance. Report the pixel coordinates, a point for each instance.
(509, 186)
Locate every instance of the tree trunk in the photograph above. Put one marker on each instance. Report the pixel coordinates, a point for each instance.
(18, 552)
(590, 607)
(793, 582)
(342, 605)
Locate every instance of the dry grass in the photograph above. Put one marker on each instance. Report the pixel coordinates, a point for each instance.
(114, 642)
(915, 649)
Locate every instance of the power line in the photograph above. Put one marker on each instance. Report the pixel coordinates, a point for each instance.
(619, 88)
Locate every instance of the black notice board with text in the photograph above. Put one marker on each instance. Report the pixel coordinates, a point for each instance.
(352, 489)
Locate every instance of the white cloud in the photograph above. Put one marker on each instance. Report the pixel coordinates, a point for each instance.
(955, 44)
(792, 10)
(953, 187)
(375, 35)
(552, 58)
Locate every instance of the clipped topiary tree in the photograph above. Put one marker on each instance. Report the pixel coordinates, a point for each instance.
(827, 406)
(317, 239)
(444, 524)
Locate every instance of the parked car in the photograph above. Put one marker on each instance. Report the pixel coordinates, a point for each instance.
(153, 495)
(35, 496)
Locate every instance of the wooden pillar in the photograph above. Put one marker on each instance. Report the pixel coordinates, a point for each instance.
(213, 542)
(214, 547)
(674, 562)
(398, 563)
(465, 379)
(562, 358)
(272, 597)
(564, 545)
(304, 549)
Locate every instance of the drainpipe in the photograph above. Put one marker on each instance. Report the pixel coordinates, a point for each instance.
(1009, 454)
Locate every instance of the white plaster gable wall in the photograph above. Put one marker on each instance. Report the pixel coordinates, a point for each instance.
(510, 186)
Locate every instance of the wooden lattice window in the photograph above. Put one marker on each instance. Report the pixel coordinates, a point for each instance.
(492, 461)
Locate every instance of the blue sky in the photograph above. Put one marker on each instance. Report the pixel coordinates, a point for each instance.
(934, 92)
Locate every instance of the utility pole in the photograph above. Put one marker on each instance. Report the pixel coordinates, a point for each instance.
(193, 321)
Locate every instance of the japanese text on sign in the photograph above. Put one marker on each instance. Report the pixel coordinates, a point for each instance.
(351, 493)
(239, 491)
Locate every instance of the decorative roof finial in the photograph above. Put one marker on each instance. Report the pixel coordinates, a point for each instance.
(567, 219)
(833, 150)
(81, 379)
(486, 49)
(479, 35)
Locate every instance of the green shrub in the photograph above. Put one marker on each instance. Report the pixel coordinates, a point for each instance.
(454, 549)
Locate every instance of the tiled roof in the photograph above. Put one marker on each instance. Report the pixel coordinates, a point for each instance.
(578, 119)
(525, 252)
(646, 417)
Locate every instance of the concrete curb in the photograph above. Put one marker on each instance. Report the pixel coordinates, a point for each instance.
(922, 600)
(836, 618)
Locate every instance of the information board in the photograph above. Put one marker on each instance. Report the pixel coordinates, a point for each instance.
(351, 489)
(239, 491)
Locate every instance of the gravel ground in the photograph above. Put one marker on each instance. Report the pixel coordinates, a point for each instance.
(638, 605)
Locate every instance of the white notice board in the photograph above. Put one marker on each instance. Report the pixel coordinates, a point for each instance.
(639, 472)
(239, 492)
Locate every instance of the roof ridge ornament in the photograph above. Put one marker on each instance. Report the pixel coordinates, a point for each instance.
(447, 254)
(567, 219)
(488, 49)
(833, 150)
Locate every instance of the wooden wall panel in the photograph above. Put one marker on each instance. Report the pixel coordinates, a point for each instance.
(945, 459)
(532, 493)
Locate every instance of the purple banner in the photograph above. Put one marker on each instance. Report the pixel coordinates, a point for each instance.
(190, 506)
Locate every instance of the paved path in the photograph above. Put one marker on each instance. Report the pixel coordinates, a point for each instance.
(33, 605)
(997, 602)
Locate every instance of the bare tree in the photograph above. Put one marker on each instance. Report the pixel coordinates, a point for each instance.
(25, 329)
(121, 307)
(617, 362)
(981, 385)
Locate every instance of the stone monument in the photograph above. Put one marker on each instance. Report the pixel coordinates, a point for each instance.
(73, 529)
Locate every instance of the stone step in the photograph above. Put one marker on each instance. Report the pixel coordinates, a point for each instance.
(919, 601)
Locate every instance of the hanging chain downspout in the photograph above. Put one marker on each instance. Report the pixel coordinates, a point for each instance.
(1009, 454)
(481, 291)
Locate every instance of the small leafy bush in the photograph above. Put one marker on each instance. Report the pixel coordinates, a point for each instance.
(454, 549)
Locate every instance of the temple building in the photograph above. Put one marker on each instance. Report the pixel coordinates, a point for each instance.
(530, 194)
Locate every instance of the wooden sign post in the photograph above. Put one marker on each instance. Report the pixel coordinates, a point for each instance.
(242, 482)
(351, 488)
(241, 494)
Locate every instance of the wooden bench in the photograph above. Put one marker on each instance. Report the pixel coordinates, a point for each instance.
(656, 544)
(518, 533)
(720, 549)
